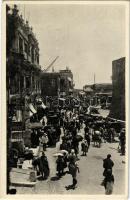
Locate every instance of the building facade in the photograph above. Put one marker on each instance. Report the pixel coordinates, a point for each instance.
(118, 92)
(23, 75)
(57, 87)
(50, 84)
(57, 84)
(99, 94)
(23, 69)
(66, 82)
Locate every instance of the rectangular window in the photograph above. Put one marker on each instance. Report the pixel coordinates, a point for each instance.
(32, 54)
(38, 59)
(33, 82)
(35, 55)
(26, 47)
(28, 83)
(29, 50)
(21, 82)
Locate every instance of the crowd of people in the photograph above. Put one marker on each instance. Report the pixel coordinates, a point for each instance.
(64, 126)
(97, 130)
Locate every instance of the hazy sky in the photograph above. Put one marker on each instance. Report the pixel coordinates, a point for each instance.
(85, 37)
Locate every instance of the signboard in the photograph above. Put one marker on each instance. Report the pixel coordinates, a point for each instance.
(16, 136)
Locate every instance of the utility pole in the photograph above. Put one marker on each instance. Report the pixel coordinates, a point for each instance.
(94, 78)
(94, 83)
(94, 88)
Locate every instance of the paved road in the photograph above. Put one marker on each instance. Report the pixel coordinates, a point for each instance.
(90, 176)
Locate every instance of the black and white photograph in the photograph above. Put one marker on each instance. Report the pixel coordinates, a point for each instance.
(66, 110)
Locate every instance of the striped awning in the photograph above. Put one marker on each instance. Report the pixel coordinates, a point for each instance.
(32, 109)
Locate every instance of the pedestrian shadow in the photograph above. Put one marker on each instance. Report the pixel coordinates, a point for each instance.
(40, 178)
(65, 172)
(55, 178)
(70, 187)
(52, 146)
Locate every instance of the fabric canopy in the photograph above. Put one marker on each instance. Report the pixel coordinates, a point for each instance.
(88, 89)
(32, 109)
(35, 125)
(69, 79)
(62, 99)
(43, 105)
(81, 92)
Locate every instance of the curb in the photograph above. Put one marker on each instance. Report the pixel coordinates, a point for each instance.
(23, 184)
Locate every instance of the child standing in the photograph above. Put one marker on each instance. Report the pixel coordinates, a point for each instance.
(84, 147)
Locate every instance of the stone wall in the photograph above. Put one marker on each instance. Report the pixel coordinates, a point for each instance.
(118, 92)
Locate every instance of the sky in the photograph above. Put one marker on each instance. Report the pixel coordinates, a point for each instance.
(87, 38)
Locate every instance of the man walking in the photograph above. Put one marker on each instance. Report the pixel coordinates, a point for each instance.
(122, 141)
(73, 168)
(107, 164)
(44, 166)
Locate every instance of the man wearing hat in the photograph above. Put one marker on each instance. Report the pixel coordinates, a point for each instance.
(122, 141)
(44, 166)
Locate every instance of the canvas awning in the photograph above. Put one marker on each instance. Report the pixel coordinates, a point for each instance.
(30, 114)
(32, 109)
(62, 99)
(88, 89)
(43, 105)
(82, 92)
(69, 79)
(15, 96)
(35, 125)
(70, 90)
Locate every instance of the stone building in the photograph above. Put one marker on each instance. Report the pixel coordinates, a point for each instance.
(118, 91)
(55, 85)
(23, 69)
(99, 93)
(23, 73)
(50, 84)
(66, 82)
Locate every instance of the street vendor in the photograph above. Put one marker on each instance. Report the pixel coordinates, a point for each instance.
(60, 165)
